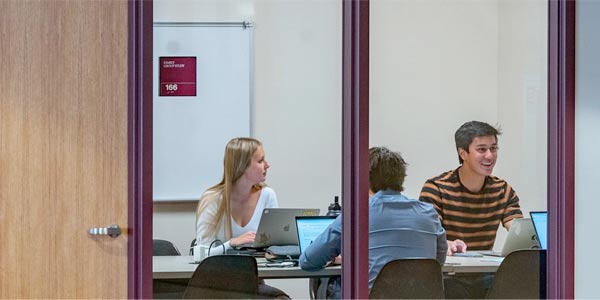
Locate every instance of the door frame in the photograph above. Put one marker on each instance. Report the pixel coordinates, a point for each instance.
(139, 130)
(561, 149)
(561, 152)
(355, 148)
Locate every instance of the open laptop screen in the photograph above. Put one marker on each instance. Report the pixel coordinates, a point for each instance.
(277, 226)
(310, 227)
(540, 224)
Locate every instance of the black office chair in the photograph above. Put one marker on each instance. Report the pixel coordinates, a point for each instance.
(167, 288)
(521, 275)
(192, 247)
(164, 248)
(409, 279)
(223, 277)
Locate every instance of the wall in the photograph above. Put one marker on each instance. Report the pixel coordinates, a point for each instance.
(437, 64)
(522, 101)
(428, 76)
(434, 65)
(587, 147)
(298, 98)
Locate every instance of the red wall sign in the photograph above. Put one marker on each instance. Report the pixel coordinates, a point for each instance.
(177, 76)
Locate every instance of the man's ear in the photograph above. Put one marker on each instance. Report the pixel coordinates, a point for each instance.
(462, 153)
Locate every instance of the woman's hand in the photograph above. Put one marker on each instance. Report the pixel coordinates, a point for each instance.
(245, 238)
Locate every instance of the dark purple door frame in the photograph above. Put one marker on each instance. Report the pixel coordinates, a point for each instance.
(139, 230)
(355, 144)
(561, 154)
(561, 148)
(355, 127)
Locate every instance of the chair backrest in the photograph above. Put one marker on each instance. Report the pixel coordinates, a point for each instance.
(521, 275)
(192, 247)
(224, 276)
(164, 248)
(409, 279)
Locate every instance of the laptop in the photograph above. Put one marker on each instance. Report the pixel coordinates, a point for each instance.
(521, 235)
(309, 228)
(540, 224)
(277, 226)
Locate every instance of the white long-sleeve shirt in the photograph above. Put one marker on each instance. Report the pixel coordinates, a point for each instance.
(267, 199)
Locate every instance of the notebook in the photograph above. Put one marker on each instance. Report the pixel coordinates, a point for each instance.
(309, 228)
(521, 235)
(540, 224)
(277, 226)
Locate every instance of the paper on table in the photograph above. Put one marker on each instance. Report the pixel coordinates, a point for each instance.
(493, 259)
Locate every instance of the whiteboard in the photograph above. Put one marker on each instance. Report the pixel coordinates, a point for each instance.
(190, 132)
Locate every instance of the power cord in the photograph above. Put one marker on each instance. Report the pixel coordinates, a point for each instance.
(213, 243)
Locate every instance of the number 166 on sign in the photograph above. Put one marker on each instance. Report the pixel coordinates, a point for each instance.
(171, 87)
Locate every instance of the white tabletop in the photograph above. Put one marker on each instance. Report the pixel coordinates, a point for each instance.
(183, 267)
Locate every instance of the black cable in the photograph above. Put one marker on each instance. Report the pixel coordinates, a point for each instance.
(213, 242)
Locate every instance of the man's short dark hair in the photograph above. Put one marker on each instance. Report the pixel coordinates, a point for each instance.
(467, 132)
(387, 170)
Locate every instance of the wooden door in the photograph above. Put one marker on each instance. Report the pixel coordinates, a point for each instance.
(63, 148)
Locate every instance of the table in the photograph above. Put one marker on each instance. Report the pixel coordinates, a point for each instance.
(170, 267)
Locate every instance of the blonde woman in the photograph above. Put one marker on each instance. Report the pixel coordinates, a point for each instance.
(230, 211)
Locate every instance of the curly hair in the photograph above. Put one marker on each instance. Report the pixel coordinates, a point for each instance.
(387, 170)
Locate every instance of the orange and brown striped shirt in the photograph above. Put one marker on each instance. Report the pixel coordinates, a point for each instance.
(471, 216)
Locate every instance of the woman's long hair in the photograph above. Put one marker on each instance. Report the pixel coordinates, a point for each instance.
(237, 158)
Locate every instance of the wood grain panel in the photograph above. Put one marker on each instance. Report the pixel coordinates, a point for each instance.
(63, 148)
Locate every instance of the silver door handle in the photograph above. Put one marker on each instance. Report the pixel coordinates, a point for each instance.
(113, 230)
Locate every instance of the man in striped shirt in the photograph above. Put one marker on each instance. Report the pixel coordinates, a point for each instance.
(470, 201)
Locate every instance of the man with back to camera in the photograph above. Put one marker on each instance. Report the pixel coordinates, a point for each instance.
(399, 227)
(471, 203)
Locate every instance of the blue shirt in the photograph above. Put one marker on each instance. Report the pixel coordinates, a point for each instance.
(399, 227)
